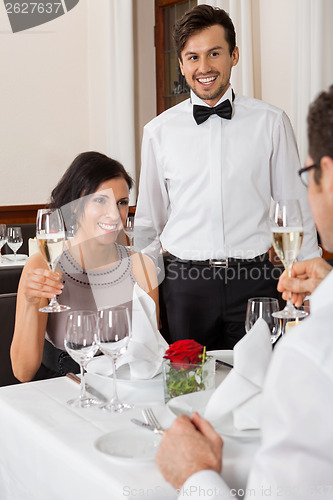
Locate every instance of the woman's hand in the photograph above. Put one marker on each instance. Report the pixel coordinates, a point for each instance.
(40, 283)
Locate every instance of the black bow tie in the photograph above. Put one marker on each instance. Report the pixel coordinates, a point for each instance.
(202, 113)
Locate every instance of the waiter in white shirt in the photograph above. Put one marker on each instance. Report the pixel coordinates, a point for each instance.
(295, 459)
(209, 168)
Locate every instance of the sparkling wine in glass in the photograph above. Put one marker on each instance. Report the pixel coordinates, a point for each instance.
(287, 236)
(14, 239)
(3, 238)
(114, 334)
(51, 239)
(129, 230)
(81, 344)
(264, 307)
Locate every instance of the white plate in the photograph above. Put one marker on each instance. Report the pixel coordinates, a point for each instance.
(101, 365)
(197, 401)
(11, 257)
(129, 445)
(223, 355)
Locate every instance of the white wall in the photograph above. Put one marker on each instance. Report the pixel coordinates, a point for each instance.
(43, 103)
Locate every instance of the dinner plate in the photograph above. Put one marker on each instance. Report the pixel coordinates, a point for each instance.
(101, 365)
(223, 355)
(197, 401)
(129, 445)
(19, 256)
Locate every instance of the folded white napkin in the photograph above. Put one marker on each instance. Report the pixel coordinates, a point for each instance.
(147, 346)
(240, 391)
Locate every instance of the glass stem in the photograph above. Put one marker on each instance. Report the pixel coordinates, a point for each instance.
(289, 305)
(115, 398)
(83, 384)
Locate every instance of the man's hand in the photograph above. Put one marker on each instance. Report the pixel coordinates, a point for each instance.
(306, 276)
(190, 445)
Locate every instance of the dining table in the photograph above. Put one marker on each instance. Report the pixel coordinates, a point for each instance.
(50, 450)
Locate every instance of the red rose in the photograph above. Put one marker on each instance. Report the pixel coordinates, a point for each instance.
(185, 352)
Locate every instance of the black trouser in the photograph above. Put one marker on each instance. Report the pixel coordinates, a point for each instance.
(208, 304)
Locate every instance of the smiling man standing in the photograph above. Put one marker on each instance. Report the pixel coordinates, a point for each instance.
(209, 168)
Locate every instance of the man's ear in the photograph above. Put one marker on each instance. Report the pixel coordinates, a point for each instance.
(326, 164)
(181, 66)
(235, 56)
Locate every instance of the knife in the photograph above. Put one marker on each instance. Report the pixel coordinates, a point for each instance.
(89, 388)
(146, 426)
(223, 363)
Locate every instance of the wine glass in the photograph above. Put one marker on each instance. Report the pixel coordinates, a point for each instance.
(114, 334)
(263, 307)
(14, 239)
(51, 239)
(287, 236)
(129, 230)
(81, 344)
(3, 238)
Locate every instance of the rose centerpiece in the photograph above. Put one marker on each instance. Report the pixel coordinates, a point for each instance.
(187, 368)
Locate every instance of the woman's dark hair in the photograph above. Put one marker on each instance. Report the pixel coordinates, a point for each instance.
(198, 19)
(84, 175)
(320, 129)
(88, 171)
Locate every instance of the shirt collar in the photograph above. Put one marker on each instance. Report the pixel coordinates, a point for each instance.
(322, 296)
(227, 95)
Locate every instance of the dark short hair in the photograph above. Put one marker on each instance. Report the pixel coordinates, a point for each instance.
(84, 175)
(320, 129)
(198, 19)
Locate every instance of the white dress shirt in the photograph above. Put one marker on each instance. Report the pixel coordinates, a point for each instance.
(295, 460)
(205, 190)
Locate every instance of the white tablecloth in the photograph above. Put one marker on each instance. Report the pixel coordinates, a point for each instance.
(47, 448)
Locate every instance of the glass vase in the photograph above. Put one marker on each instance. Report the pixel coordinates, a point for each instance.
(184, 378)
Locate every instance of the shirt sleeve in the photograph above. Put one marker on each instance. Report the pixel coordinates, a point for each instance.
(153, 201)
(286, 184)
(295, 460)
(206, 484)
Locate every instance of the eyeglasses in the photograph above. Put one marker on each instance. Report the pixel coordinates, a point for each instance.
(304, 174)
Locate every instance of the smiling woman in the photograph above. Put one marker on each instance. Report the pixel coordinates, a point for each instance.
(93, 272)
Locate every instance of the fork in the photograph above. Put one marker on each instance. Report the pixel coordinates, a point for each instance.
(151, 419)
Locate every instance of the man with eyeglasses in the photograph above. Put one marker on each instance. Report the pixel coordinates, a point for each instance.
(295, 459)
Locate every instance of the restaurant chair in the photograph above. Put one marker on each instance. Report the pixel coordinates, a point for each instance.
(7, 322)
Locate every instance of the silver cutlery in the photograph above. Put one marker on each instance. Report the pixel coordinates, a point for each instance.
(144, 425)
(151, 419)
(220, 363)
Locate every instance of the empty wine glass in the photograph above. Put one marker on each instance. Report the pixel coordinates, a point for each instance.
(287, 236)
(81, 344)
(263, 307)
(129, 230)
(51, 239)
(3, 238)
(14, 239)
(114, 334)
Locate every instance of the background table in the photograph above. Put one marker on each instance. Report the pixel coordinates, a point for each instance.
(47, 448)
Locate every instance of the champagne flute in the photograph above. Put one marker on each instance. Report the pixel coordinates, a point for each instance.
(51, 239)
(81, 344)
(14, 239)
(129, 230)
(3, 238)
(287, 236)
(263, 307)
(114, 334)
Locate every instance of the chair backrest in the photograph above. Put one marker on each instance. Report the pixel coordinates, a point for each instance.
(7, 322)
